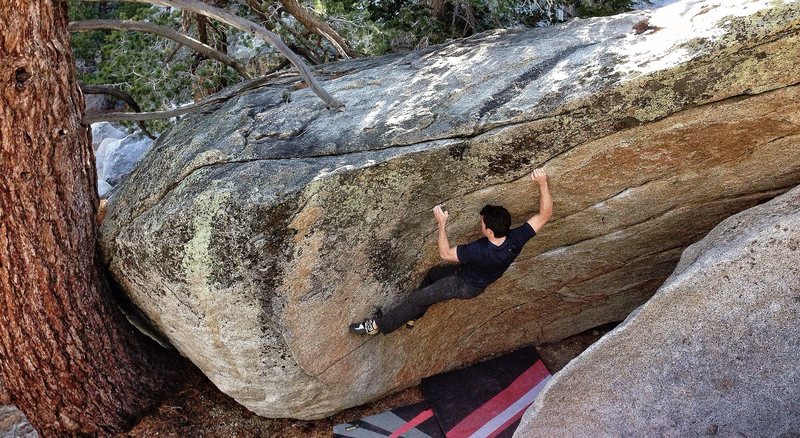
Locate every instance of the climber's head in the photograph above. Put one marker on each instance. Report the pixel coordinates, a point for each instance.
(495, 219)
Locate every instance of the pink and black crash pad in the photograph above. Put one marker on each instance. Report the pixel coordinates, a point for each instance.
(483, 400)
(415, 421)
(486, 399)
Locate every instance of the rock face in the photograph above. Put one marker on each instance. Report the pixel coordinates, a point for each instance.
(715, 351)
(13, 424)
(116, 154)
(254, 233)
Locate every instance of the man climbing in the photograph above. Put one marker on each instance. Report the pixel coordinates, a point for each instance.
(480, 263)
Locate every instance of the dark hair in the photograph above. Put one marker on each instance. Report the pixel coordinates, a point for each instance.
(497, 219)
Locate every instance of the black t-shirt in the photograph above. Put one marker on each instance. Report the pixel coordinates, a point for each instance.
(483, 262)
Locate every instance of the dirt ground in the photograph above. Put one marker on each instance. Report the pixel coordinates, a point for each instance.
(200, 409)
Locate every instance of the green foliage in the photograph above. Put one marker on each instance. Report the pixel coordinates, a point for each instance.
(136, 63)
(376, 27)
(161, 76)
(602, 8)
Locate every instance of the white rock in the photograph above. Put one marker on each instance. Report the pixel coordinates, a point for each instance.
(103, 187)
(104, 130)
(100, 154)
(714, 352)
(245, 47)
(258, 230)
(120, 157)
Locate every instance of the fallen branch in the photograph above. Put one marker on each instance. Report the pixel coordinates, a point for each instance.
(153, 115)
(87, 25)
(111, 91)
(275, 17)
(156, 115)
(314, 24)
(252, 29)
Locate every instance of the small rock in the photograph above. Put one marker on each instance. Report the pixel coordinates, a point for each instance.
(104, 130)
(103, 187)
(121, 156)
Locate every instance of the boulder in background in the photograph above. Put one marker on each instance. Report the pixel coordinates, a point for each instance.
(716, 351)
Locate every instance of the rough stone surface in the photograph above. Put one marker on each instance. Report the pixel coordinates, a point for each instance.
(100, 154)
(103, 188)
(717, 349)
(13, 424)
(254, 233)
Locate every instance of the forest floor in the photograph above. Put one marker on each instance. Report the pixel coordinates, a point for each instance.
(200, 409)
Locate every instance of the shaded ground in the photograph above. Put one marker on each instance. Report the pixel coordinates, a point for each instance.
(556, 355)
(200, 409)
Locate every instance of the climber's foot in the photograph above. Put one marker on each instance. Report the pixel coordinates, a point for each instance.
(368, 327)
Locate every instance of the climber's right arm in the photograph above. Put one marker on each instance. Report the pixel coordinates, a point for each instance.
(446, 251)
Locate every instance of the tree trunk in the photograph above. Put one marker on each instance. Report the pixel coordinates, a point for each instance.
(439, 9)
(4, 398)
(68, 358)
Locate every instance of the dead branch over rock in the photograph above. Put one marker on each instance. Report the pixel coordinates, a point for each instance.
(155, 115)
(186, 40)
(111, 91)
(253, 29)
(270, 19)
(314, 24)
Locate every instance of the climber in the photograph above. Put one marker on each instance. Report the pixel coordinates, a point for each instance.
(479, 263)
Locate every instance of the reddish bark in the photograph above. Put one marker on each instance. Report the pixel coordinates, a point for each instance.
(439, 9)
(4, 398)
(68, 358)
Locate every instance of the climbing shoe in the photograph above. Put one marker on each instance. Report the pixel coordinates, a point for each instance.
(367, 327)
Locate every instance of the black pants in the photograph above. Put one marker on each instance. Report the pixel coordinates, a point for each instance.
(442, 283)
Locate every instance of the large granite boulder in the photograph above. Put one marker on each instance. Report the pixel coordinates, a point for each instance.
(715, 351)
(253, 233)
